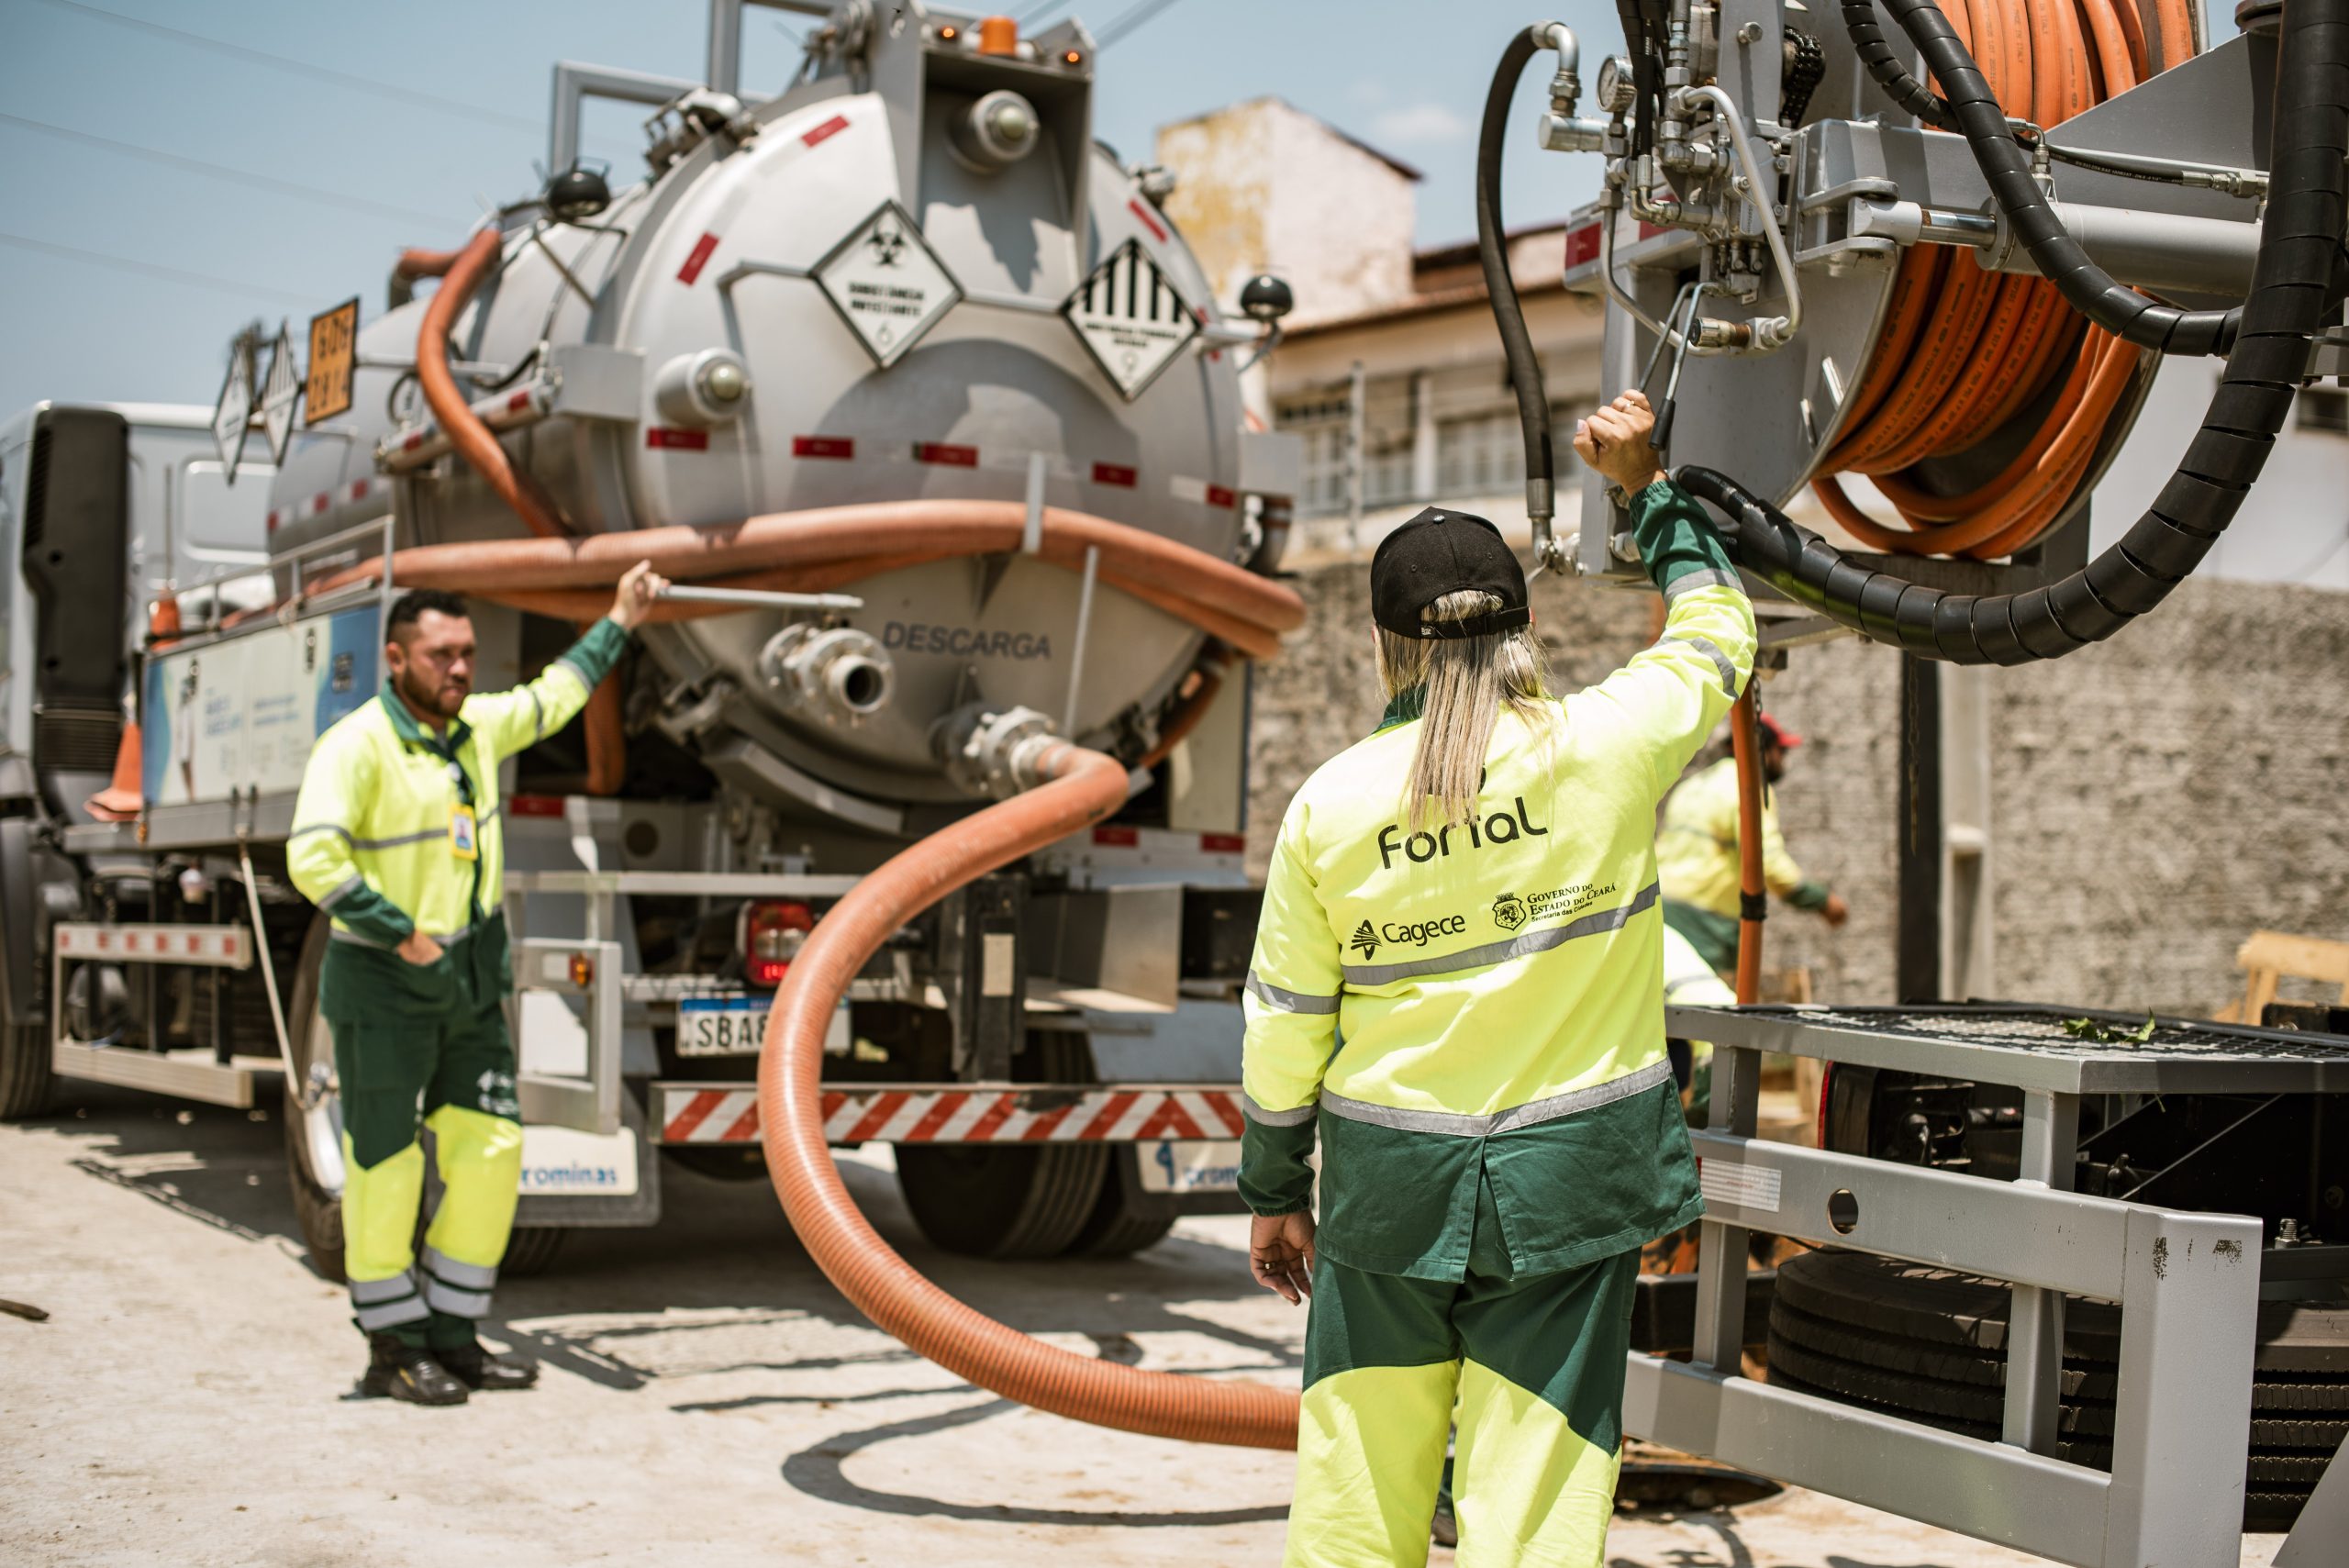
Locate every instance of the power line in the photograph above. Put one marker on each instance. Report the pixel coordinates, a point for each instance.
(301, 68)
(1036, 14)
(170, 274)
(1126, 21)
(222, 172)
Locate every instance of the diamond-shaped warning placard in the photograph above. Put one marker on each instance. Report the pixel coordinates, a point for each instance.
(1131, 320)
(887, 284)
(232, 415)
(280, 389)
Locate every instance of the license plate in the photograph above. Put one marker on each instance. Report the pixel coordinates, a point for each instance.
(721, 1025)
(1182, 1166)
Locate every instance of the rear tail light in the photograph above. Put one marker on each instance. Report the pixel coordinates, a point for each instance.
(774, 930)
(1826, 1089)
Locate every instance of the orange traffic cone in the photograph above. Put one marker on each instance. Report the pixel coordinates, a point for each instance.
(120, 800)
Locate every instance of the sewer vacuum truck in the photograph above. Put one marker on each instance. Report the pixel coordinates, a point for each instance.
(912, 388)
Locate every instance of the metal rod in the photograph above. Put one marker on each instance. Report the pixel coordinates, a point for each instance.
(760, 598)
(302, 1091)
(2051, 1140)
(1084, 626)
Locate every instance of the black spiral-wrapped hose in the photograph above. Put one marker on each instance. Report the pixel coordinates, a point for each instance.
(1508, 316)
(1971, 109)
(1884, 65)
(2308, 208)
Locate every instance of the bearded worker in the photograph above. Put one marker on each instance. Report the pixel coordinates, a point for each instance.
(1458, 983)
(397, 837)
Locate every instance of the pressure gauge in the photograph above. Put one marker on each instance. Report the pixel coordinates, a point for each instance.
(1617, 87)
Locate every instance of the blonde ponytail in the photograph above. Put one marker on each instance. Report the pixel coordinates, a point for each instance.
(1466, 682)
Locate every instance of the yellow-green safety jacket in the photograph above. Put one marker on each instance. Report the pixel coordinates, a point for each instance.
(1482, 1005)
(372, 843)
(1697, 859)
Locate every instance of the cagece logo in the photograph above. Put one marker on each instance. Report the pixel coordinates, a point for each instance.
(1500, 827)
(1406, 933)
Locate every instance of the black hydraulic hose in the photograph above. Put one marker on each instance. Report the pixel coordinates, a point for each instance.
(2307, 211)
(1646, 80)
(1890, 73)
(1492, 249)
(2006, 168)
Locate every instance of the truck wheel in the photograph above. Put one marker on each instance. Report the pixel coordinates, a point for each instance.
(314, 1136)
(1930, 1344)
(1122, 1222)
(1002, 1203)
(24, 1080)
(990, 1201)
(531, 1250)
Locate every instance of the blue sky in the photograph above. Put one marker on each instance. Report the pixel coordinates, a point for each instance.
(123, 273)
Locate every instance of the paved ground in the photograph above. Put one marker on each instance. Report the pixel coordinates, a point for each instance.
(708, 1398)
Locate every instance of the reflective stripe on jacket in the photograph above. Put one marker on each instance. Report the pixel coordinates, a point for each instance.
(1501, 975)
(1696, 847)
(371, 841)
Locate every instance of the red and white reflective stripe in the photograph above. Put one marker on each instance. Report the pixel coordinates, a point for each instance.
(214, 946)
(882, 1114)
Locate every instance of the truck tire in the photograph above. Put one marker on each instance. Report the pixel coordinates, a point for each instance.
(1123, 1221)
(531, 1250)
(1930, 1344)
(990, 1201)
(314, 1136)
(24, 1078)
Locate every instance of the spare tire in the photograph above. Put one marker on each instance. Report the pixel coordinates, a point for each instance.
(1930, 1344)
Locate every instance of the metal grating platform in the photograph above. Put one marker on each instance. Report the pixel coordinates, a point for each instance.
(2028, 1047)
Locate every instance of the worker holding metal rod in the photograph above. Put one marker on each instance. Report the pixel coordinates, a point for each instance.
(397, 837)
(1457, 987)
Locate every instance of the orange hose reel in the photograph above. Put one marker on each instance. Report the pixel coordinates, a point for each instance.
(1963, 350)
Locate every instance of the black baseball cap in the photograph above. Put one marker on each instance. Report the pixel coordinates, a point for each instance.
(1442, 552)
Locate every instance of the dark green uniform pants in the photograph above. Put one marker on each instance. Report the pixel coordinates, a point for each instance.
(418, 1049)
(1530, 1365)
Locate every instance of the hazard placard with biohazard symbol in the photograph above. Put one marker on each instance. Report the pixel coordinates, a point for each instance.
(1130, 319)
(887, 284)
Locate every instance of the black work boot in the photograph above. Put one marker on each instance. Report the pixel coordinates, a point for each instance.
(401, 1370)
(487, 1373)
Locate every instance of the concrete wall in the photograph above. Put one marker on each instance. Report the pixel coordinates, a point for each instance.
(2155, 799)
(1263, 185)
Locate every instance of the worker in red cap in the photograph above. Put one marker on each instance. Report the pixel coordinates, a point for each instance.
(1697, 853)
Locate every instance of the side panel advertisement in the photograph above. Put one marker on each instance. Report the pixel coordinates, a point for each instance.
(243, 713)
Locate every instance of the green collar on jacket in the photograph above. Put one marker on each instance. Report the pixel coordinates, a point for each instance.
(411, 733)
(1406, 705)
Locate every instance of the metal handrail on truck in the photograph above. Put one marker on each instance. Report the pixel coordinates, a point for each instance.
(2188, 1285)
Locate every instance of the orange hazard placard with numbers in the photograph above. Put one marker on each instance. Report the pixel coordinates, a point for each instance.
(334, 361)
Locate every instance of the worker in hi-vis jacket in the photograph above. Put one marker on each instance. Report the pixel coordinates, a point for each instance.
(397, 837)
(1697, 853)
(1457, 982)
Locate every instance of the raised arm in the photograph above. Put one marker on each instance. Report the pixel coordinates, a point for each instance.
(1291, 1005)
(514, 720)
(1670, 696)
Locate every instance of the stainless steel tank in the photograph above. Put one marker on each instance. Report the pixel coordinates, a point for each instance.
(756, 327)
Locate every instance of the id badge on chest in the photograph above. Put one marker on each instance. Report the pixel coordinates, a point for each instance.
(463, 842)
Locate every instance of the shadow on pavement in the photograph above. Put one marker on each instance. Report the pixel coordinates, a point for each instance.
(721, 1246)
(818, 1472)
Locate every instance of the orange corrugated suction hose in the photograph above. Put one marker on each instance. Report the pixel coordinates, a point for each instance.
(473, 440)
(460, 275)
(1083, 787)
(835, 545)
(1753, 897)
(1963, 351)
